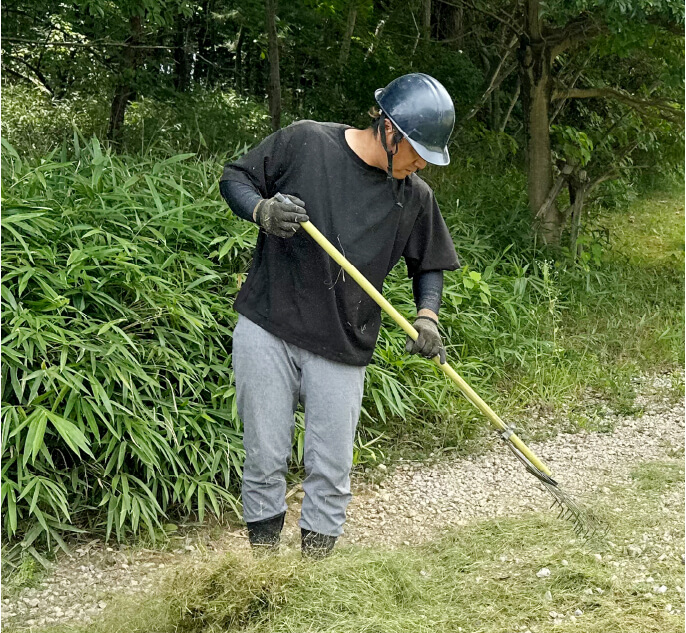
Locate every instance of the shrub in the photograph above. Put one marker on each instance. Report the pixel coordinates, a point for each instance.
(118, 399)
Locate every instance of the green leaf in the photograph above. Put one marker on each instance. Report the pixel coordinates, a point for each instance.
(70, 433)
(202, 280)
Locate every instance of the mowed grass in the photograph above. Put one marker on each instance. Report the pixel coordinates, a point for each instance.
(482, 578)
(636, 319)
(651, 231)
(626, 320)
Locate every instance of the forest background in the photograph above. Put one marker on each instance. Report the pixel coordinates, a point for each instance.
(121, 261)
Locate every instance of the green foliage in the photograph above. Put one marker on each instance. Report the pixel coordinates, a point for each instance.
(205, 122)
(117, 397)
(575, 146)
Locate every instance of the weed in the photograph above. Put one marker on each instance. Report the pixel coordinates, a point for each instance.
(26, 573)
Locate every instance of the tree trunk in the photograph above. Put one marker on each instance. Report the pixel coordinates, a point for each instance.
(182, 61)
(536, 88)
(125, 92)
(349, 30)
(495, 109)
(202, 67)
(426, 20)
(238, 62)
(274, 79)
(513, 101)
(377, 37)
(455, 26)
(577, 192)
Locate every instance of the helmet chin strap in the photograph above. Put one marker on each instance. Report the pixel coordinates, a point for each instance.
(397, 137)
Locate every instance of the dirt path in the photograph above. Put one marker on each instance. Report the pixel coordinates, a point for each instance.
(413, 502)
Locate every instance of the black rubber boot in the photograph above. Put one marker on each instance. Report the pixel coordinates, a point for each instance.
(265, 535)
(316, 545)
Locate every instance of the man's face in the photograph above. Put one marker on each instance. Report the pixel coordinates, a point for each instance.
(406, 161)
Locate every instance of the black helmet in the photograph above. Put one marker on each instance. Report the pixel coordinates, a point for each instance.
(421, 109)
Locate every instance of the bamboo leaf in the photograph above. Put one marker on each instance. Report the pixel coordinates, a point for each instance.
(70, 433)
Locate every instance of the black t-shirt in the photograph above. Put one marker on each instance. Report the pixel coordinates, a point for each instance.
(294, 289)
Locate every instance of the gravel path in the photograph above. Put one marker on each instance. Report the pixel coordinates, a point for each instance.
(418, 500)
(413, 502)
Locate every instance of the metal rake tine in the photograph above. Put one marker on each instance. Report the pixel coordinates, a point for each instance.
(583, 522)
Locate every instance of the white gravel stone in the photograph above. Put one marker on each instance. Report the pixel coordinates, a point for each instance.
(543, 573)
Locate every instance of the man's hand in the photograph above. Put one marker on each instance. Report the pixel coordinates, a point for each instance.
(428, 343)
(280, 218)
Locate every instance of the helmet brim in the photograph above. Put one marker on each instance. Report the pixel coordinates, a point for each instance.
(432, 156)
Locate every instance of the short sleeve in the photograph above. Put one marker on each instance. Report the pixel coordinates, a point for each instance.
(263, 165)
(430, 246)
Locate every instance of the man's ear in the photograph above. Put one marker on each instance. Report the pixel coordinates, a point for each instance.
(397, 137)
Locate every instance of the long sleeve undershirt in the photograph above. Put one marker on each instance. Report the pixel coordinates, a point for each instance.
(427, 289)
(241, 197)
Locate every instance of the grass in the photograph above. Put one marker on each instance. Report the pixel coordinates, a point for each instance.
(655, 476)
(650, 232)
(481, 578)
(637, 319)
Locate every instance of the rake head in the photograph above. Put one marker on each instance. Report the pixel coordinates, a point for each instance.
(585, 522)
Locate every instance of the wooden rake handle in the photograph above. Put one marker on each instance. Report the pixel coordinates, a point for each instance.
(468, 392)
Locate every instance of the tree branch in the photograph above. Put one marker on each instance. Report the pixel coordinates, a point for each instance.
(667, 111)
(576, 31)
(574, 80)
(555, 190)
(470, 5)
(497, 78)
(92, 44)
(513, 101)
(35, 82)
(41, 80)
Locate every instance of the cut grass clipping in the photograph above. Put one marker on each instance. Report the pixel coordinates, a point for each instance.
(483, 578)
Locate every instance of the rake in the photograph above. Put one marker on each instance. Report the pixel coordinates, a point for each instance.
(583, 520)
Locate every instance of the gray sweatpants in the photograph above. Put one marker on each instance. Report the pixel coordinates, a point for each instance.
(272, 376)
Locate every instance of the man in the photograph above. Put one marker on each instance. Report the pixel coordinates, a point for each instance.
(305, 331)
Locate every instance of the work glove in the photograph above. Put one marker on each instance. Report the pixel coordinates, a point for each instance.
(281, 219)
(428, 343)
